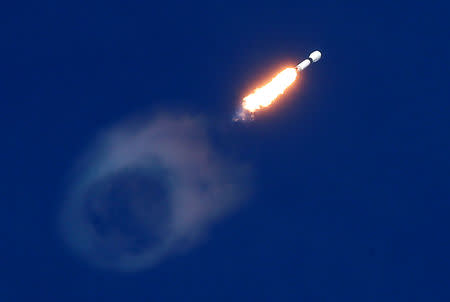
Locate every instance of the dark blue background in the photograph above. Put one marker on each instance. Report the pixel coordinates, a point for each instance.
(352, 170)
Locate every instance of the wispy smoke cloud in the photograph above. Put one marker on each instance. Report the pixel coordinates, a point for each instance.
(146, 189)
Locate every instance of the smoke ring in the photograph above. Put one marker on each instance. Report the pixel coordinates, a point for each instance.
(147, 189)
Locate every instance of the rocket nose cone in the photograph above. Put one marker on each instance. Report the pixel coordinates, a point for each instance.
(315, 56)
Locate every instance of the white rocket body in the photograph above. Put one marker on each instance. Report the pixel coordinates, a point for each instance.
(313, 57)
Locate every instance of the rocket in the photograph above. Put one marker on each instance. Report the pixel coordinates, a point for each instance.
(264, 96)
(313, 57)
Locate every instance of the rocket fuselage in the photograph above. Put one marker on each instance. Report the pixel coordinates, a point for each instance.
(313, 57)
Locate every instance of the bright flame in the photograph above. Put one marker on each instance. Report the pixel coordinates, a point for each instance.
(266, 95)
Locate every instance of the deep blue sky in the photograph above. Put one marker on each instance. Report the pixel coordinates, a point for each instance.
(352, 193)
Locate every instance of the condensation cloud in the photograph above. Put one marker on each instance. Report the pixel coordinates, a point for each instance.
(147, 189)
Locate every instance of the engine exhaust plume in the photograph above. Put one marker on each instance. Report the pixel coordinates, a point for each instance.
(266, 95)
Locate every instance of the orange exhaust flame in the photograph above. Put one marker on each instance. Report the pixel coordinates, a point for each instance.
(266, 95)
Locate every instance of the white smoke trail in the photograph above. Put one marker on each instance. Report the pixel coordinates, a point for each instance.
(146, 189)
